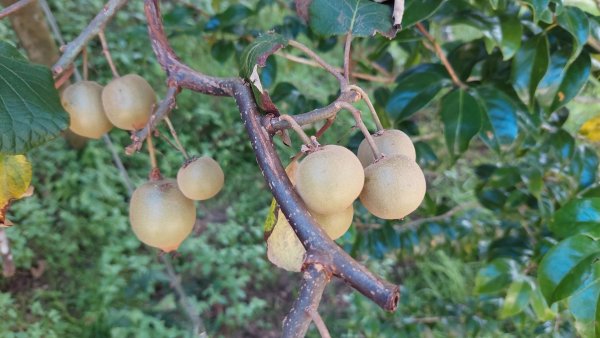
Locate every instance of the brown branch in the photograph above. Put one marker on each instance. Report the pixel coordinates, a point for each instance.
(73, 48)
(8, 266)
(319, 323)
(314, 281)
(347, 60)
(13, 8)
(441, 55)
(106, 53)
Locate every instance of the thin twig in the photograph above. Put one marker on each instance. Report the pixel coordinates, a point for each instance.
(174, 134)
(347, 60)
(442, 217)
(297, 128)
(319, 323)
(441, 55)
(8, 266)
(106, 53)
(73, 48)
(361, 125)
(118, 163)
(84, 65)
(151, 152)
(365, 97)
(14, 7)
(331, 69)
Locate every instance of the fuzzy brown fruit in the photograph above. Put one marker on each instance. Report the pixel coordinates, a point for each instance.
(160, 215)
(83, 102)
(391, 142)
(394, 187)
(201, 178)
(329, 179)
(128, 101)
(336, 224)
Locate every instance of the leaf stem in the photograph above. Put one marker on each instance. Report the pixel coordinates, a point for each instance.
(347, 60)
(320, 61)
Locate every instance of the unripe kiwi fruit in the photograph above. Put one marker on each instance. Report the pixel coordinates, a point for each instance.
(201, 178)
(161, 216)
(128, 101)
(83, 102)
(329, 179)
(394, 187)
(336, 224)
(283, 246)
(390, 142)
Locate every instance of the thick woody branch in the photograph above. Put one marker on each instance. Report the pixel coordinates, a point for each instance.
(14, 7)
(73, 48)
(314, 281)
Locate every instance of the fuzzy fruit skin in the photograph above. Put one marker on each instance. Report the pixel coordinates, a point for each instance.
(391, 142)
(160, 215)
(128, 101)
(394, 187)
(329, 179)
(83, 102)
(335, 225)
(201, 179)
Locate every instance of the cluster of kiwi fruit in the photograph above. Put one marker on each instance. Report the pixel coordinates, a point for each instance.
(161, 211)
(390, 185)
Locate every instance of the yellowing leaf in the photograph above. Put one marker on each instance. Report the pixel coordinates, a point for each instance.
(591, 129)
(15, 178)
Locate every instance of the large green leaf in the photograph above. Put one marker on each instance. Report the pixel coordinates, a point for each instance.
(512, 31)
(574, 21)
(499, 123)
(585, 306)
(574, 79)
(461, 116)
(529, 66)
(30, 108)
(577, 216)
(416, 11)
(416, 90)
(256, 53)
(359, 17)
(565, 266)
(517, 298)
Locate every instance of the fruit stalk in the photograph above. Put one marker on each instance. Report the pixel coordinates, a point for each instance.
(106, 53)
(365, 97)
(297, 129)
(361, 125)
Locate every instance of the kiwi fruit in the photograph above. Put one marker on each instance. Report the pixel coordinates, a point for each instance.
(390, 142)
(128, 101)
(394, 187)
(160, 215)
(83, 102)
(200, 178)
(329, 179)
(336, 224)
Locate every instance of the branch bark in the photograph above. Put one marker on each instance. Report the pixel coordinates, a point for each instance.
(14, 7)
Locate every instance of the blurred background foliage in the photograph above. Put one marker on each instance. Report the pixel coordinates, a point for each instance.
(468, 259)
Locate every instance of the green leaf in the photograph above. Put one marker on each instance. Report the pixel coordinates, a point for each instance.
(585, 306)
(574, 21)
(360, 17)
(576, 216)
(222, 50)
(30, 108)
(566, 265)
(499, 123)
(512, 31)
(537, 6)
(517, 298)
(574, 79)
(529, 66)
(495, 276)
(256, 53)
(589, 6)
(416, 90)
(539, 305)
(461, 116)
(416, 11)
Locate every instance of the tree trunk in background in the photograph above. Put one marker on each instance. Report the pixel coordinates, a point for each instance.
(36, 39)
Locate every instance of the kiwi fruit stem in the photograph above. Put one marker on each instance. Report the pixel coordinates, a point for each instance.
(177, 142)
(365, 97)
(310, 143)
(361, 125)
(151, 152)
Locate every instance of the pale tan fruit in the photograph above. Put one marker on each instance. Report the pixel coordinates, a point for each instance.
(161, 216)
(283, 246)
(128, 101)
(394, 187)
(391, 142)
(336, 224)
(200, 179)
(83, 102)
(329, 179)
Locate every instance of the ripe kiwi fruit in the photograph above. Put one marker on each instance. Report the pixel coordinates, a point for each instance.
(390, 142)
(201, 178)
(128, 101)
(83, 102)
(336, 224)
(329, 179)
(161, 216)
(394, 187)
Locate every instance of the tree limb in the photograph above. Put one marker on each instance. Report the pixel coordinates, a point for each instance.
(13, 8)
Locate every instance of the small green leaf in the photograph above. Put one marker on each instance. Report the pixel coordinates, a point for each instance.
(495, 276)
(574, 21)
(539, 305)
(529, 66)
(512, 31)
(360, 17)
(576, 216)
(576, 76)
(416, 11)
(566, 265)
(256, 53)
(517, 298)
(30, 108)
(499, 123)
(461, 116)
(537, 6)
